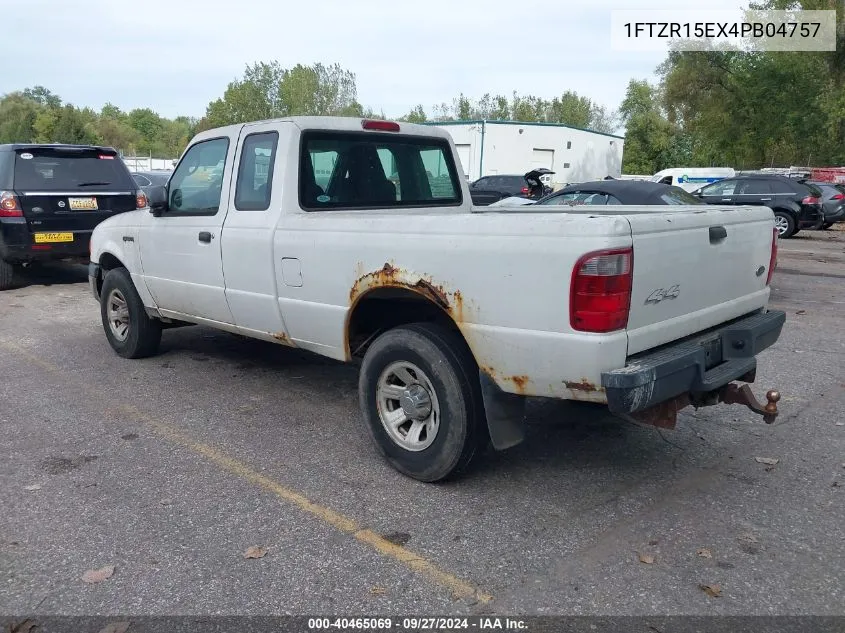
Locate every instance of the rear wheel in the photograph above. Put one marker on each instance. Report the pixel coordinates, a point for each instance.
(130, 332)
(7, 275)
(827, 225)
(785, 224)
(421, 400)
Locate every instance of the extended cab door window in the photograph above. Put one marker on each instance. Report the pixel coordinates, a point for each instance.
(369, 170)
(197, 183)
(255, 172)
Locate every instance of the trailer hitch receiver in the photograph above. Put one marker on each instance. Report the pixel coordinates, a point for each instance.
(734, 394)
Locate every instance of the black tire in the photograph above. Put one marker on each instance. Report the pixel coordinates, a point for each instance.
(826, 226)
(447, 363)
(7, 275)
(791, 225)
(143, 333)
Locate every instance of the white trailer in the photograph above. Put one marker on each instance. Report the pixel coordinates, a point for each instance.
(487, 148)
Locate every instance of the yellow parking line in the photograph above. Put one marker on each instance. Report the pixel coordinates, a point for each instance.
(458, 588)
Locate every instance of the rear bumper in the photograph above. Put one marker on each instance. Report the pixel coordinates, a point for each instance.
(702, 364)
(811, 217)
(18, 245)
(835, 215)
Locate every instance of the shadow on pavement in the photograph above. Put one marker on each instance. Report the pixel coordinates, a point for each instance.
(51, 273)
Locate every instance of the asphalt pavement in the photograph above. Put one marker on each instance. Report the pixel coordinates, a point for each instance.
(170, 469)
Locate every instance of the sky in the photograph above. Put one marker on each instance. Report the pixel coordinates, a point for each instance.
(175, 56)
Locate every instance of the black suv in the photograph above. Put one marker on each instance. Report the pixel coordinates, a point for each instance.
(52, 197)
(490, 189)
(796, 205)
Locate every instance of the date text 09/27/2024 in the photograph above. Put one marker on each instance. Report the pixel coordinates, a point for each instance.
(417, 624)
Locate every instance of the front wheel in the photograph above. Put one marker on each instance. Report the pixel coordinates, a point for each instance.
(785, 224)
(826, 225)
(421, 400)
(130, 332)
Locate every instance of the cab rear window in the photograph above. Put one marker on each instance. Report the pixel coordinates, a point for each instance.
(348, 170)
(50, 169)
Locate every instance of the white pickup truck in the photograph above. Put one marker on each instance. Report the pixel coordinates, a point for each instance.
(357, 240)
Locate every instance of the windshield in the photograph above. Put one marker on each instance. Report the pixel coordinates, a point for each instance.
(52, 169)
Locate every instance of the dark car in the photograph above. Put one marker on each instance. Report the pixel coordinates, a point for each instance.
(627, 192)
(147, 179)
(489, 189)
(797, 205)
(833, 202)
(52, 197)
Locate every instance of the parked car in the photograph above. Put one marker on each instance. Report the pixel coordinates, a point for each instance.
(489, 189)
(627, 192)
(797, 205)
(611, 192)
(147, 179)
(833, 202)
(52, 197)
(646, 312)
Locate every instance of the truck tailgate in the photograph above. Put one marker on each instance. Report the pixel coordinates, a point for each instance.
(696, 269)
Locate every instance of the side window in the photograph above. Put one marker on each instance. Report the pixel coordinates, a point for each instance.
(573, 198)
(348, 170)
(666, 181)
(255, 172)
(613, 200)
(721, 188)
(595, 198)
(753, 188)
(437, 172)
(141, 181)
(196, 184)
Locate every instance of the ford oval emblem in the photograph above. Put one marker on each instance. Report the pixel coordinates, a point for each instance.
(61, 204)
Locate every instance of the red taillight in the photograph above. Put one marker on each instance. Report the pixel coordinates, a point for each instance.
(140, 200)
(525, 190)
(41, 247)
(811, 200)
(9, 205)
(383, 126)
(600, 296)
(839, 196)
(773, 259)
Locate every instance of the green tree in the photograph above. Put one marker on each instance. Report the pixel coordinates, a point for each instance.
(267, 90)
(43, 97)
(417, 115)
(73, 126)
(649, 135)
(150, 128)
(571, 109)
(17, 118)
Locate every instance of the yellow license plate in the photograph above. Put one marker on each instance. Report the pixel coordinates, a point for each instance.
(82, 204)
(43, 238)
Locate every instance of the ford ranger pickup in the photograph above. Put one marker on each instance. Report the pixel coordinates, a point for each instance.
(357, 240)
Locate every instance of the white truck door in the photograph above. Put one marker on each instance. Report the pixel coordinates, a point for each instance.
(255, 204)
(180, 250)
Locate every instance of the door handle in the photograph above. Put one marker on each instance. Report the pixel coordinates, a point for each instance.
(726, 199)
(765, 199)
(205, 236)
(717, 234)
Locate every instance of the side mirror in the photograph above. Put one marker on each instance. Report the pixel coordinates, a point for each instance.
(157, 199)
